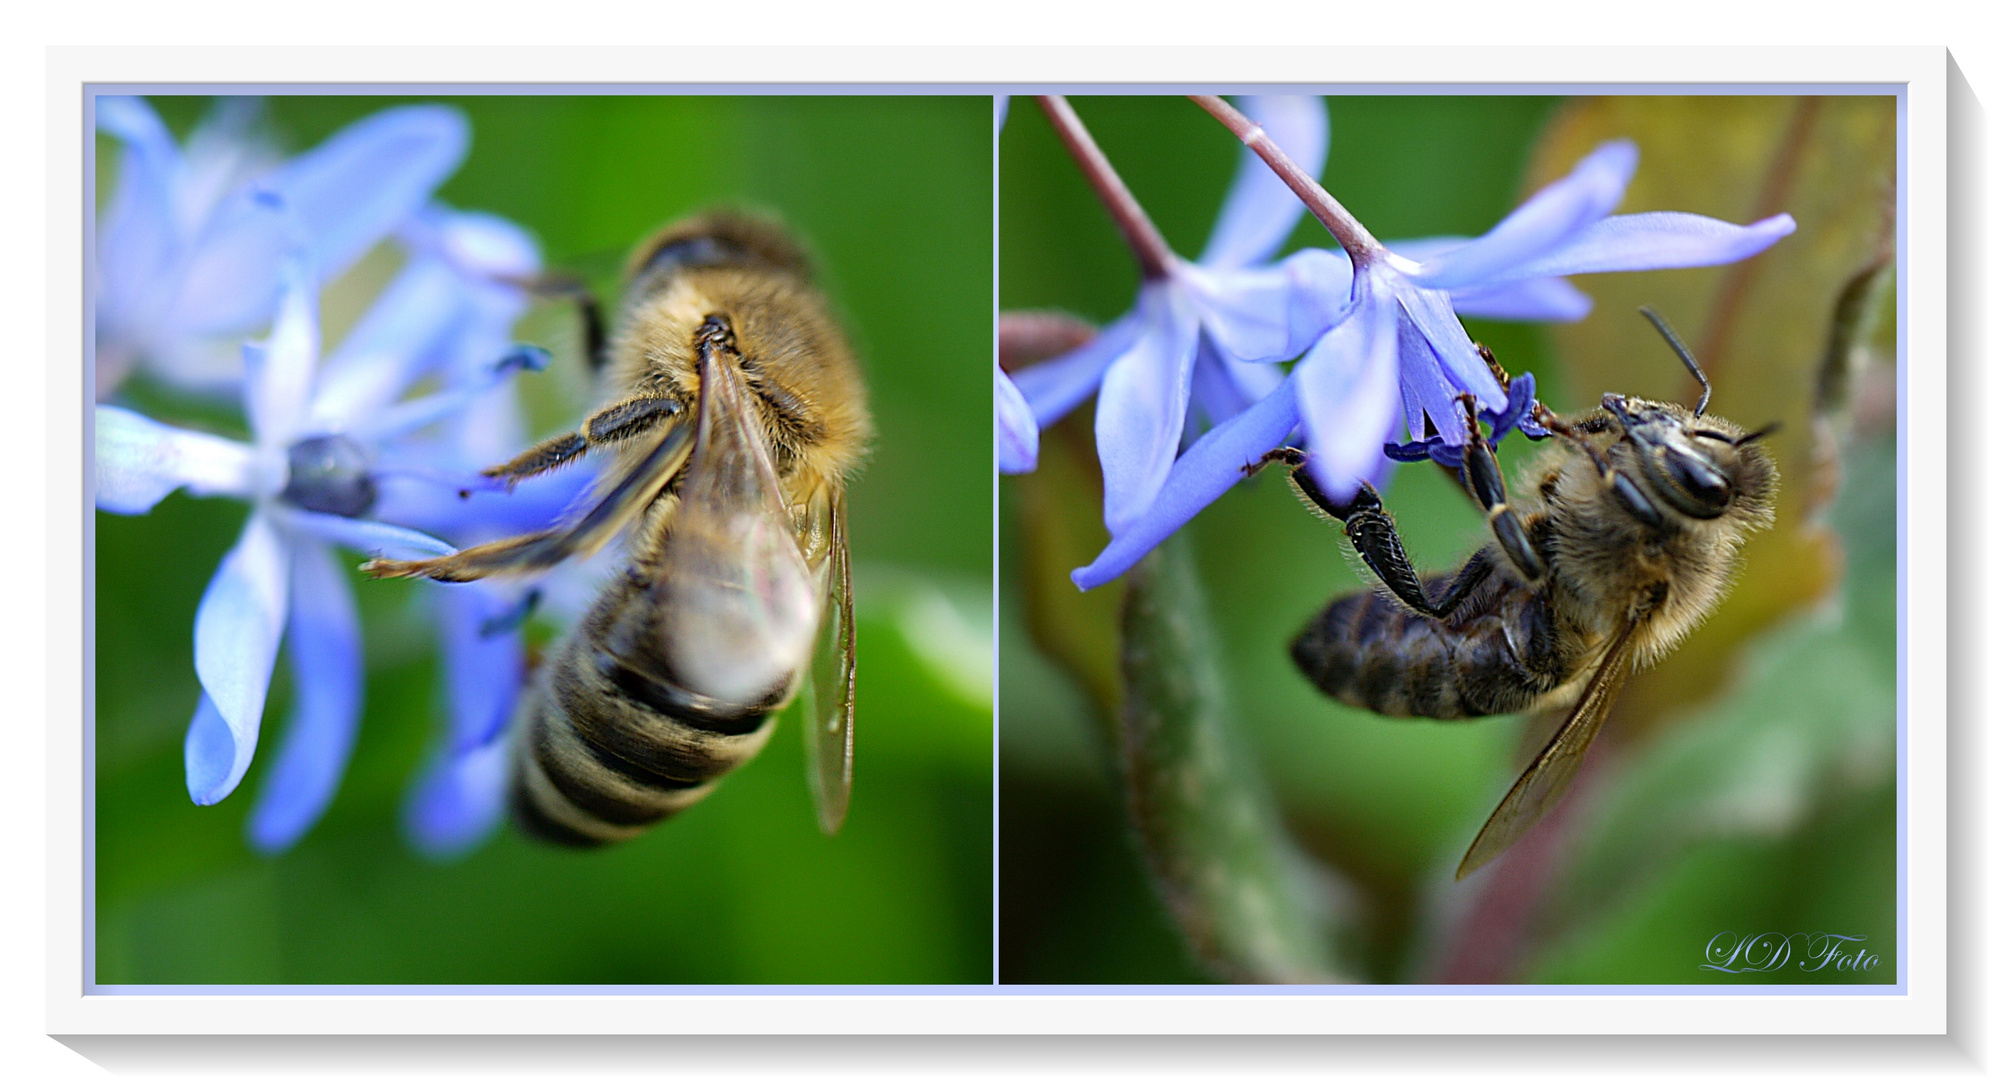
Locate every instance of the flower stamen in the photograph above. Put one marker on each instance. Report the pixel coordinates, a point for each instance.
(328, 475)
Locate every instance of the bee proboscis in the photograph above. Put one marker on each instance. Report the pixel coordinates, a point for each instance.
(735, 414)
(1626, 537)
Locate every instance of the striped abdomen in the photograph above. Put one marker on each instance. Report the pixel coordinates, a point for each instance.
(609, 745)
(1496, 653)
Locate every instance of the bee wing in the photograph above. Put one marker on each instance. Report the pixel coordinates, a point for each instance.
(622, 500)
(831, 692)
(737, 604)
(1543, 783)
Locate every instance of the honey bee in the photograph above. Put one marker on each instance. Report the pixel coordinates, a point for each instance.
(1627, 538)
(735, 415)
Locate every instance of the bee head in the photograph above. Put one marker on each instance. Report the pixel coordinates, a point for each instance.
(1694, 464)
(716, 239)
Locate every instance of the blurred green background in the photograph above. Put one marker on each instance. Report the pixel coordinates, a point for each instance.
(1768, 807)
(892, 195)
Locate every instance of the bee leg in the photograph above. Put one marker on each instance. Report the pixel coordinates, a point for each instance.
(547, 455)
(1493, 365)
(567, 287)
(615, 423)
(630, 418)
(539, 551)
(1483, 477)
(510, 555)
(1623, 489)
(1370, 527)
(592, 333)
(1291, 457)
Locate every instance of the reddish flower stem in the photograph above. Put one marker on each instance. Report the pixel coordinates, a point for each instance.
(1347, 231)
(1150, 250)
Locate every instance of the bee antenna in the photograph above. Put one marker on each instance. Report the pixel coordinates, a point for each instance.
(1681, 351)
(1760, 432)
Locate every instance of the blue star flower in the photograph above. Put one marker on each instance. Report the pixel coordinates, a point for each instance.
(1396, 357)
(336, 459)
(1199, 331)
(187, 260)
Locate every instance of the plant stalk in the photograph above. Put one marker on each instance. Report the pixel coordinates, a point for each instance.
(1150, 250)
(1342, 225)
(1252, 906)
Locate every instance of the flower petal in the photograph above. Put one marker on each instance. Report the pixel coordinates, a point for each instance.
(1548, 299)
(370, 537)
(1656, 241)
(1425, 249)
(1057, 386)
(1016, 428)
(278, 373)
(212, 751)
(1245, 312)
(484, 658)
(397, 341)
(325, 660)
(1138, 422)
(1346, 385)
(139, 461)
(222, 152)
(1260, 211)
(1323, 292)
(461, 797)
(1222, 387)
(1521, 399)
(1206, 470)
(458, 801)
(358, 185)
(476, 244)
(1542, 224)
(456, 300)
(134, 122)
(236, 632)
(207, 367)
(404, 418)
(1426, 391)
(346, 194)
(1431, 311)
(136, 234)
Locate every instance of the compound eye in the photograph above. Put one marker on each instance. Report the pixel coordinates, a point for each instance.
(1706, 490)
(691, 252)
